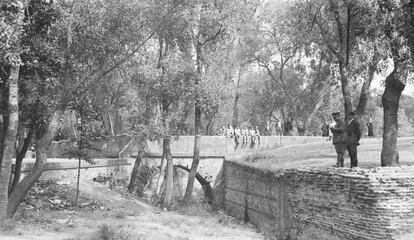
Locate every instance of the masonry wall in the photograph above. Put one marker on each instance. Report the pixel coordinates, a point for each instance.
(120, 146)
(322, 204)
(68, 168)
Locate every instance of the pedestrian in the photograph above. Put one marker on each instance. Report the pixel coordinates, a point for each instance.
(244, 133)
(325, 129)
(252, 135)
(237, 135)
(230, 131)
(279, 127)
(370, 127)
(257, 134)
(331, 125)
(339, 138)
(353, 134)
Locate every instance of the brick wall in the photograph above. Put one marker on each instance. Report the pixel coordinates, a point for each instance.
(322, 204)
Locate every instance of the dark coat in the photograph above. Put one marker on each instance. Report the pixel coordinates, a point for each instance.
(353, 132)
(339, 132)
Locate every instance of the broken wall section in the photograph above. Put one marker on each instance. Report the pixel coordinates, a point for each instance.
(322, 203)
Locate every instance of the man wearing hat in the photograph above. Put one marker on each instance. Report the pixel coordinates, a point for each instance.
(339, 138)
(353, 133)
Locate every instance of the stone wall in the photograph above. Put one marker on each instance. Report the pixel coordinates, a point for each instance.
(322, 204)
(67, 168)
(119, 146)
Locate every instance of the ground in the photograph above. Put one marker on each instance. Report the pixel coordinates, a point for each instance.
(320, 155)
(108, 214)
(112, 215)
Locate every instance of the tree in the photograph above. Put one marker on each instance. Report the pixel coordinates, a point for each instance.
(392, 15)
(340, 26)
(207, 25)
(298, 67)
(85, 143)
(11, 26)
(82, 65)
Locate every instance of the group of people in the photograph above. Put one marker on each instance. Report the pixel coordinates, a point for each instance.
(243, 133)
(345, 136)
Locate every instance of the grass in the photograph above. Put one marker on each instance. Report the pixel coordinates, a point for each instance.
(256, 156)
(106, 232)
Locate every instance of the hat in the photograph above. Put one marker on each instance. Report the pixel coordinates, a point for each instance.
(336, 113)
(351, 114)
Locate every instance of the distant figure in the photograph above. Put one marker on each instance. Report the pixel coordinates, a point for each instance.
(339, 138)
(230, 131)
(288, 128)
(245, 134)
(370, 127)
(353, 134)
(237, 135)
(223, 131)
(252, 134)
(257, 134)
(279, 130)
(331, 125)
(325, 129)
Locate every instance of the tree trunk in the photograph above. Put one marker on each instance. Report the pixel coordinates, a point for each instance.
(20, 157)
(207, 189)
(42, 147)
(363, 98)
(134, 175)
(161, 175)
(169, 173)
(390, 101)
(196, 59)
(9, 139)
(196, 158)
(235, 119)
(346, 90)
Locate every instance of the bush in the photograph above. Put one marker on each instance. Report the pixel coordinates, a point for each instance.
(106, 232)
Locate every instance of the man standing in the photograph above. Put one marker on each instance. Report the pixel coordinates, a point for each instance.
(237, 135)
(339, 138)
(257, 133)
(279, 130)
(353, 134)
(370, 127)
(325, 129)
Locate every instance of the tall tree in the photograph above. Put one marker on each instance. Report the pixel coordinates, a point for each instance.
(208, 23)
(81, 43)
(392, 15)
(11, 26)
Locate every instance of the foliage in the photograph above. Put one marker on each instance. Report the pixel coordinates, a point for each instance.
(11, 27)
(88, 135)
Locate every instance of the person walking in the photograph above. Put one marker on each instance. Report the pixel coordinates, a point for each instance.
(230, 131)
(353, 134)
(252, 134)
(370, 127)
(325, 129)
(339, 138)
(237, 135)
(245, 133)
(331, 125)
(257, 133)
(279, 130)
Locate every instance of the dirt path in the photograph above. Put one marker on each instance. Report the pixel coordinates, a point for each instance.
(126, 219)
